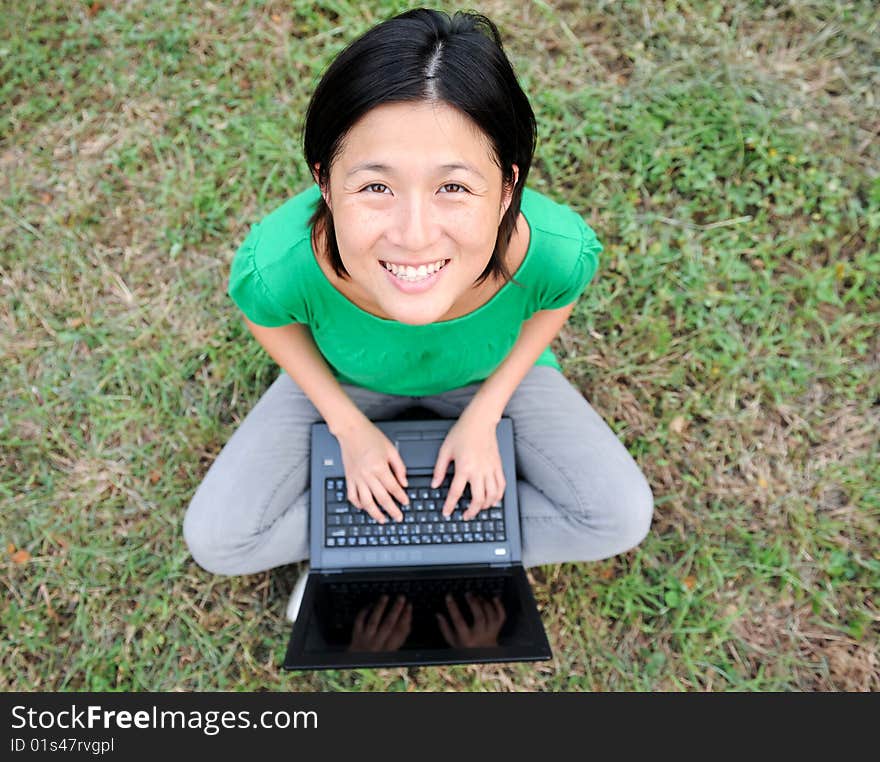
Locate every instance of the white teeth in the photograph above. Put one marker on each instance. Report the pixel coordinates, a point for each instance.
(413, 273)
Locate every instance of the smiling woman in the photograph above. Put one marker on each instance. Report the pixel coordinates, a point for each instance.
(418, 269)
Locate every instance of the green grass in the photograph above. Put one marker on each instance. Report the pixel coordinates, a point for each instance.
(725, 152)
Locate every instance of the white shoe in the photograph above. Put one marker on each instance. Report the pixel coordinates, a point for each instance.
(297, 595)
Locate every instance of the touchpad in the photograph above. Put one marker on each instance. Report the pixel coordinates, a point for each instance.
(421, 453)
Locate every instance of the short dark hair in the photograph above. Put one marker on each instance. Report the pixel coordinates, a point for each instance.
(424, 55)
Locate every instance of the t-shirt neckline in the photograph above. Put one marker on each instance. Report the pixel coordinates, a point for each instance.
(470, 315)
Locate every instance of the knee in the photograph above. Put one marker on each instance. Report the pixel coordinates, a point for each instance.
(632, 520)
(202, 537)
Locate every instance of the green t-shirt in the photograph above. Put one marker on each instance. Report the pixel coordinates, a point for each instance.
(276, 280)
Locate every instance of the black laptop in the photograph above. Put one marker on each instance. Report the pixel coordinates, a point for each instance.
(428, 590)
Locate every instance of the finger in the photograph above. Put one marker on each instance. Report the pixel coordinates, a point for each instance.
(478, 497)
(383, 498)
(401, 630)
(376, 615)
(499, 614)
(390, 481)
(495, 484)
(445, 629)
(369, 505)
(500, 486)
(455, 490)
(458, 622)
(477, 612)
(399, 469)
(440, 468)
(352, 493)
(359, 619)
(387, 625)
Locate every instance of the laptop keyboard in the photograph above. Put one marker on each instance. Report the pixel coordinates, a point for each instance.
(423, 521)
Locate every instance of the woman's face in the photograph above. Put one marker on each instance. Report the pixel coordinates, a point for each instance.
(415, 189)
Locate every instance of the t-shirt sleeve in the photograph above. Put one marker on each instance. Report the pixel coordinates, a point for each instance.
(571, 280)
(250, 291)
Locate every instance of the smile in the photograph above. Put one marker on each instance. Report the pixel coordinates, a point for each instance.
(411, 274)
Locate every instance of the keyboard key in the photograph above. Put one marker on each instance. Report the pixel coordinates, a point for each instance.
(331, 542)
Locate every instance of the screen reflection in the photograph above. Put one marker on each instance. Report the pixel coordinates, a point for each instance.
(383, 615)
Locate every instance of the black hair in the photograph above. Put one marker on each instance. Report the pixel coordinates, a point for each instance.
(424, 55)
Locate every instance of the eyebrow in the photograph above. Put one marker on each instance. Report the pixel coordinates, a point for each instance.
(375, 167)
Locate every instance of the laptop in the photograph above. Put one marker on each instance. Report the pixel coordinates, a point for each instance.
(428, 590)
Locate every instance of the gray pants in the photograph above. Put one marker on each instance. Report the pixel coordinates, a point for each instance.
(581, 495)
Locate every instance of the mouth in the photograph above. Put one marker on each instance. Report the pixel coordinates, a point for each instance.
(410, 274)
(414, 280)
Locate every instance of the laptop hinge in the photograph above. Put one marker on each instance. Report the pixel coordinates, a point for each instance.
(453, 567)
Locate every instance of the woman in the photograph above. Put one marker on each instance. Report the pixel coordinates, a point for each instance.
(387, 284)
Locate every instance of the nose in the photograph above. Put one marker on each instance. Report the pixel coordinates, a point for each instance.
(413, 225)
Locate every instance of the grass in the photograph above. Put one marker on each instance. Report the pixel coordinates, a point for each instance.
(725, 152)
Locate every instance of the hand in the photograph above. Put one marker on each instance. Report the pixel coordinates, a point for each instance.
(382, 633)
(473, 445)
(488, 618)
(366, 455)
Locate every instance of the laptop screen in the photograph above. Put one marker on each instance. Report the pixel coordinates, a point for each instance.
(417, 616)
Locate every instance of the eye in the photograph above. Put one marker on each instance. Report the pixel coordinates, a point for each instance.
(455, 185)
(374, 185)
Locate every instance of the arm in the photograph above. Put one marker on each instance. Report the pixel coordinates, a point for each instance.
(471, 442)
(293, 348)
(537, 332)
